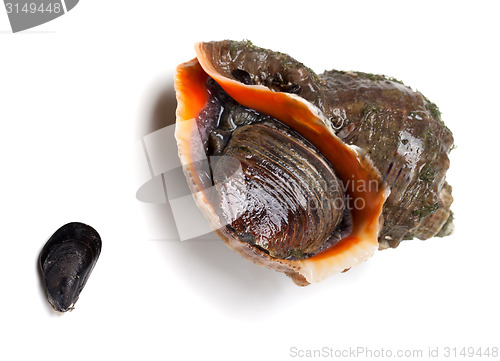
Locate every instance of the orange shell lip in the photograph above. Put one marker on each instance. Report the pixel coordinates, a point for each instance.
(307, 120)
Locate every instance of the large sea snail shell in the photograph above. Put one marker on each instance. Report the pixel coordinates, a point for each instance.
(66, 261)
(331, 167)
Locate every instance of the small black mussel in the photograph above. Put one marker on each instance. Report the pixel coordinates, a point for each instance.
(66, 261)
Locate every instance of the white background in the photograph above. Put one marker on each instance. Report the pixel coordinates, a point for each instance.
(77, 93)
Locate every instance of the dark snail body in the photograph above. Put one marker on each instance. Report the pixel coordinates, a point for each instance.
(66, 261)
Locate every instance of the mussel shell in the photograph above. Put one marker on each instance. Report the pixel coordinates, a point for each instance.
(66, 261)
(290, 201)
